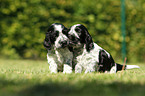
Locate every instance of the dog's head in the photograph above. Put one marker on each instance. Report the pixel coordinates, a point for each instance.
(56, 35)
(78, 35)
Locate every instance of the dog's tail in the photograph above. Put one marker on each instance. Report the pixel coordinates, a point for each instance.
(125, 67)
(132, 66)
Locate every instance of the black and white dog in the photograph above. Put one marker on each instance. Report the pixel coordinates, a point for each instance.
(56, 42)
(90, 57)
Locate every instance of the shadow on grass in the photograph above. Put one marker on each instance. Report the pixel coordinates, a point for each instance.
(85, 89)
(82, 88)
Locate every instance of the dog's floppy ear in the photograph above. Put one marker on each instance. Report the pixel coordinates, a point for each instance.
(49, 38)
(89, 42)
(87, 39)
(47, 42)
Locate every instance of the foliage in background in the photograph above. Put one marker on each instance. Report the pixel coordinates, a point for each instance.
(23, 24)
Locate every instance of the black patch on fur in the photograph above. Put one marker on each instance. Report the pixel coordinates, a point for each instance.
(105, 62)
(119, 67)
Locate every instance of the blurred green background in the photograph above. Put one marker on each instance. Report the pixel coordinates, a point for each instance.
(23, 24)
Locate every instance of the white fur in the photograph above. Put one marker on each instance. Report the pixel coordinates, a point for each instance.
(131, 66)
(88, 61)
(113, 69)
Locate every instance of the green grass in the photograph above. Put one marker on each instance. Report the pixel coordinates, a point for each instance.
(32, 78)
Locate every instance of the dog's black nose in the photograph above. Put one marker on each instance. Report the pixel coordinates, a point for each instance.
(64, 42)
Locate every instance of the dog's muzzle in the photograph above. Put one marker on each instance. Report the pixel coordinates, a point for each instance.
(63, 43)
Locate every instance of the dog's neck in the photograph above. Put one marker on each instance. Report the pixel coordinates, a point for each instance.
(77, 50)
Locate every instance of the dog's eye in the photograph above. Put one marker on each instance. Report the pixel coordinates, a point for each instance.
(65, 31)
(77, 30)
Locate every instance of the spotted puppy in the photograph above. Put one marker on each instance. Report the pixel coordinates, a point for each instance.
(90, 57)
(56, 42)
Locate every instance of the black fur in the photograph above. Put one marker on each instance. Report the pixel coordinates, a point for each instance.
(50, 37)
(105, 62)
(120, 67)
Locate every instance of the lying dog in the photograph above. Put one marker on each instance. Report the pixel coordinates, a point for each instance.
(88, 56)
(56, 42)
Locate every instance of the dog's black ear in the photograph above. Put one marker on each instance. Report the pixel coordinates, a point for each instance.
(65, 31)
(89, 42)
(47, 42)
(87, 38)
(49, 38)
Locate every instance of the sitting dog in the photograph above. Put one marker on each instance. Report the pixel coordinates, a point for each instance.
(90, 57)
(56, 42)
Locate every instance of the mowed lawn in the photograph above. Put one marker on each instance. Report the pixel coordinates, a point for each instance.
(32, 78)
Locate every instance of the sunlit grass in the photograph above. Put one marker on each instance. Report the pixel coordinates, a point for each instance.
(32, 78)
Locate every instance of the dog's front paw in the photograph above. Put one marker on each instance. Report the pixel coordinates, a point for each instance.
(78, 69)
(89, 71)
(53, 71)
(67, 69)
(53, 68)
(113, 70)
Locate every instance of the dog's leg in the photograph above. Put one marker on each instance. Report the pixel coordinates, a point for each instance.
(91, 67)
(78, 68)
(113, 69)
(53, 68)
(52, 64)
(67, 68)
